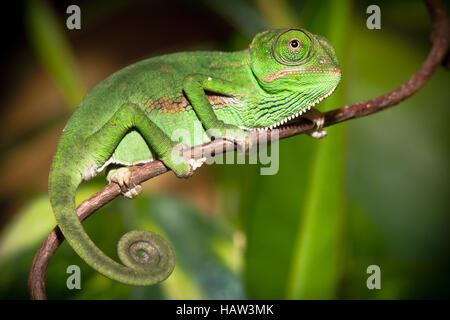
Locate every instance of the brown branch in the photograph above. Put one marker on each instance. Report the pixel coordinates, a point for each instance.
(440, 39)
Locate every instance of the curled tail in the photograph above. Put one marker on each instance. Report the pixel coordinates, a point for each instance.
(147, 257)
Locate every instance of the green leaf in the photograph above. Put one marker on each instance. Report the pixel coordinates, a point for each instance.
(293, 240)
(317, 263)
(20, 240)
(46, 33)
(198, 243)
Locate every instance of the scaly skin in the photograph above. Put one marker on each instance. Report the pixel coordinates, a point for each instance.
(131, 116)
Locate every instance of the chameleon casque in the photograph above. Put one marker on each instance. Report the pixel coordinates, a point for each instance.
(129, 118)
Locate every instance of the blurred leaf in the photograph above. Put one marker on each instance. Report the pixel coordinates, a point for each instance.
(277, 13)
(28, 228)
(316, 266)
(98, 287)
(198, 243)
(20, 240)
(271, 226)
(195, 240)
(52, 49)
(288, 231)
(399, 176)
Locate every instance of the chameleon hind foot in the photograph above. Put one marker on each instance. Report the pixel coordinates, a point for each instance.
(122, 177)
(317, 118)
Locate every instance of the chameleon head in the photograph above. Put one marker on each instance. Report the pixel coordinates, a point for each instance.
(295, 63)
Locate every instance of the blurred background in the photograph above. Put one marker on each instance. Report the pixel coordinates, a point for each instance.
(374, 192)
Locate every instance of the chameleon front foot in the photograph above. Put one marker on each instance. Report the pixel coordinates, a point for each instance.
(196, 163)
(133, 192)
(122, 177)
(178, 162)
(317, 118)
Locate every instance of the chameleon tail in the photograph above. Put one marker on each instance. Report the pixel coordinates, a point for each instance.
(147, 257)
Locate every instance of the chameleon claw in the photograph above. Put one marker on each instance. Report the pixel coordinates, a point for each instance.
(122, 177)
(317, 118)
(133, 192)
(196, 163)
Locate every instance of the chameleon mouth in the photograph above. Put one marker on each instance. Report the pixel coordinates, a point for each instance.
(291, 117)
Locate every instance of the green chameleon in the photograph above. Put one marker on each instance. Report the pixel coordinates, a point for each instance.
(129, 119)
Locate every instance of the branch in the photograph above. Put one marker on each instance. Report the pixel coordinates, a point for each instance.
(440, 38)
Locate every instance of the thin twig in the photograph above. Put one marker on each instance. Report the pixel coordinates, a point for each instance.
(440, 39)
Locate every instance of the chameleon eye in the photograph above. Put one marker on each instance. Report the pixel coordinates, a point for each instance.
(292, 47)
(294, 44)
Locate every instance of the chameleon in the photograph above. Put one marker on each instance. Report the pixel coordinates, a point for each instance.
(130, 117)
